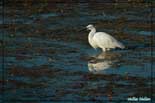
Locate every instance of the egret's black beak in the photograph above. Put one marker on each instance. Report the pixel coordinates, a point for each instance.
(83, 29)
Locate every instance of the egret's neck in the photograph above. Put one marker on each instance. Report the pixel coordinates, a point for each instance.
(90, 38)
(92, 32)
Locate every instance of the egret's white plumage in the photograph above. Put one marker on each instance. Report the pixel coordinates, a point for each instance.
(102, 40)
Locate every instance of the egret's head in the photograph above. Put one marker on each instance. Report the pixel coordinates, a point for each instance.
(90, 27)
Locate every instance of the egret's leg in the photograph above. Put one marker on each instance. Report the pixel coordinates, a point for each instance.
(103, 49)
(108, 49)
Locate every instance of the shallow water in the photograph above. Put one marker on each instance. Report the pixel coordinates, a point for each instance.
(48, 58)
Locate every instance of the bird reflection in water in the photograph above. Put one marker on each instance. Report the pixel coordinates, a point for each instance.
(102, 61)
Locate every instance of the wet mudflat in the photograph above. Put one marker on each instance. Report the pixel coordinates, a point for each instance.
(48, 58)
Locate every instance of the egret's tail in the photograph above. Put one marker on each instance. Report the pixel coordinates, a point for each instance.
(120, 45)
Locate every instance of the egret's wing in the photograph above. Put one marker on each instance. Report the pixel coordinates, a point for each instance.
(103, 40)
(106, 41)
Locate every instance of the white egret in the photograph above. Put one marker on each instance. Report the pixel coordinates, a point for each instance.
(102, 40)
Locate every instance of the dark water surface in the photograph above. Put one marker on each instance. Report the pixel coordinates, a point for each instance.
(48, 58)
